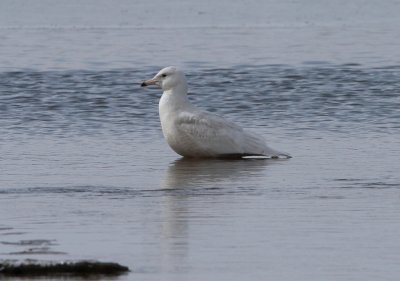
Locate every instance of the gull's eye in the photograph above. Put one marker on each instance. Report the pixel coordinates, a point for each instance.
(164, 75)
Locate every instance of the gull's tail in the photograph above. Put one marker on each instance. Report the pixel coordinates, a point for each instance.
(257, 146)
(276, 154)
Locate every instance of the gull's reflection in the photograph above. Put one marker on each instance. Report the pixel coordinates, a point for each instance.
(186, 182)
(186, 173)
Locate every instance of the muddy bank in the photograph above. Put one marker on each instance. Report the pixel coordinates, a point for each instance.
(36, 268)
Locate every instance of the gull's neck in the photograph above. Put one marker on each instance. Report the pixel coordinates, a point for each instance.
(179, 91)
(175, 99)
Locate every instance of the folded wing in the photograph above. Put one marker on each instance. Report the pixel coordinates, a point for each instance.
(212, 135)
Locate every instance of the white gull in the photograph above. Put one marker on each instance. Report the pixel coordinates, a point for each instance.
(194, 133)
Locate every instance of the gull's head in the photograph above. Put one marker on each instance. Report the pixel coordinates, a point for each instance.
(167, 79)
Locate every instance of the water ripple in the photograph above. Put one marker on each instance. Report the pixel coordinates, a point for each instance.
(315, 96)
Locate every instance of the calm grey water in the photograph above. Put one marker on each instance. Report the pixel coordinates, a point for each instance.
(85, 172)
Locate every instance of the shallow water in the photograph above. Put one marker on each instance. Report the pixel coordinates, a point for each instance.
(86, 174)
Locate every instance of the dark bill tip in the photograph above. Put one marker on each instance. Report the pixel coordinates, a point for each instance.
(143, 84)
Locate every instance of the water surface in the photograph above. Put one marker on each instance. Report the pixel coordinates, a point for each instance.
(86, 174)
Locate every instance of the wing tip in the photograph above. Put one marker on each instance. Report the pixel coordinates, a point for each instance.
(280, 155)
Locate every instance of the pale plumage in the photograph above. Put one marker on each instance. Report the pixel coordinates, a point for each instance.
(191, 132)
